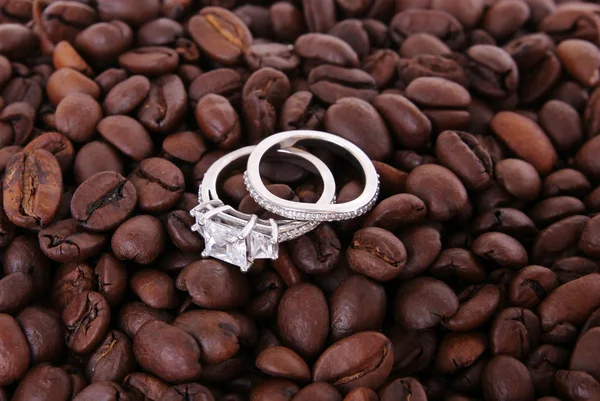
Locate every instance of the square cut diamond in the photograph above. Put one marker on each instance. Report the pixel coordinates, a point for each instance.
(261, 247)
(221, 242)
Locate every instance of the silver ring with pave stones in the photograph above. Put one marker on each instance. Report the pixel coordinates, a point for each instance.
(312, 211)
(240, 238)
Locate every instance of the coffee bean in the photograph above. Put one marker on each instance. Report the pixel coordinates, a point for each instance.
(96, 157)
(220, 34)
(111, 78)
(376, 253)
(191, 391)
(552, 116)
(64, 241)
(570, 384)
(134, 315)
(554, 209)
(112, 278)
(283, 362)
(408, 124)
(165, 106)
(361, 394)
(304, 329)
(218, 121)
(503, 20)
(275, 389)
(525, 138)
(301, 111)
(559, 240)
(319, 15)
(272, 55)
(423, 43)
(505, 378)
(317, 252)
(18, 118)
(67, 81)
(437, 23)
(543, 363)
(102, 43)
(459, 350)
(572, 268)
(332, 83)
(147, 385)
(44, 379)
(109, 391)
(86, 319)
(558, 307)
(159, 184)
(103, 201)
(347, 299)
(477, 305)
(317, 48)
(140, 239)
(320, 391)
(349, 117)
(468, 14)
(136, 144)
(150, 60)
(112, 360)
(126, 96)
(364, 367)
(403, 389)
(185, 146)
(511, 323)
(492, 71)
(33, 188)
(423, 302)
(167, 351)
(214, 285)
(441, 191)
(77, 116)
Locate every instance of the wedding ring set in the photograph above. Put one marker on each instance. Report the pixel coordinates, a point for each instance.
(239, 238)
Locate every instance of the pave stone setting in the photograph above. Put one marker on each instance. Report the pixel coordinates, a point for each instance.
(222, 241)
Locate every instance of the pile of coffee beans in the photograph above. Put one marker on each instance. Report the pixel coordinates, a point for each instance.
(475, 277)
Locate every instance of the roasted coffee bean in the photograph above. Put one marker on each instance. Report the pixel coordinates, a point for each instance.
(348, 298)
(86, 319)
(301, 111)
(184, 146)
(477, 305)
(136, 145)
(514, 323)
(159, 184)
(134, 315)
(526, 139)
(67, 81)
(220, 34)
(423, 302)
(168, 352)
(44, 379)
(283, 362)
(102, 43)
(381, 65)
(363, 367)
(319, 15)
(112, 278)
(376, 253)
(492, 71)
(22, 41)
(215, 285)
(96, 157)
(437, 23)
(505, 378)
(218, 121)
(126, 96)
(304, 329)
(459, 351)
(408, 124)
(103, 201)
(65, 241)
(77, 116)
(316, 49)
(332, 83)
(140, 239)
(15, 351)
(349, 118)
(112, 360)
(165, 106)
(147, 385)
(441, 191)
(18, 119)
(33, 188)
(318, 252)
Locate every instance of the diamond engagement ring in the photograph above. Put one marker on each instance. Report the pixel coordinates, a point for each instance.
(239, 238)
(312, 211)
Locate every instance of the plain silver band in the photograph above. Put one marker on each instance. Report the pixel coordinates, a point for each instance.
(288, 229)
(312, 211)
